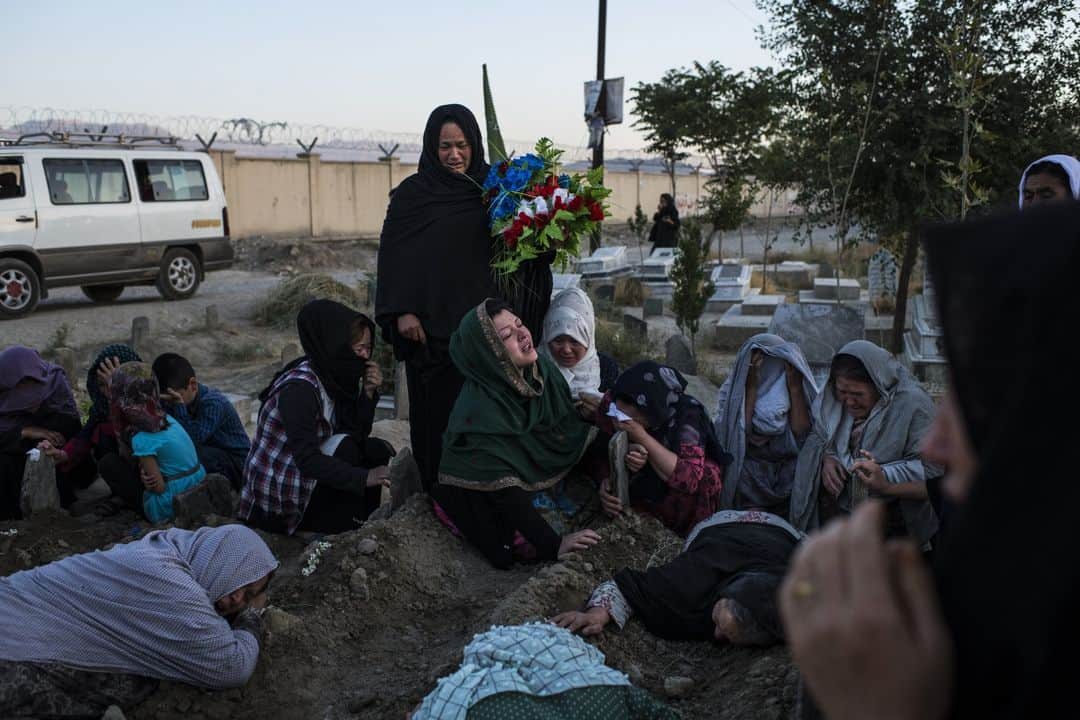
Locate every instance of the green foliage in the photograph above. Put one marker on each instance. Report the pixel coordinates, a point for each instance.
(693, 286)
(496, 148)
(664, 114)
(280, 307)
(639, 223)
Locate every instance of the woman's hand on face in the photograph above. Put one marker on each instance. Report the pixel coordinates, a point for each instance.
(864, 625)
(636, 457)
(104, 374)
(833, 475)
(634, 430)
(409, 327)
(33, 432)
(378, 476)
(581, 540)
(610, 504)
(590, 622)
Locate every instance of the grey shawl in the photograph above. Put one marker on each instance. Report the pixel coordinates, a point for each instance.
(145, 608)
(892, 433)
(731, 408)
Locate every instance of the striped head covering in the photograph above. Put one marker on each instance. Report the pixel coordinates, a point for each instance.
(135, 401)
(146, 607)
(99, 410)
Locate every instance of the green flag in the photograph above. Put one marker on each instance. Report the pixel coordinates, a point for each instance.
(496, 149)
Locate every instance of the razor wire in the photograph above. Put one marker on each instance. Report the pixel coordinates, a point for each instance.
(25, 120)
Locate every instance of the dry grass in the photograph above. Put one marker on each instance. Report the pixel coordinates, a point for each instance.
(280, 306)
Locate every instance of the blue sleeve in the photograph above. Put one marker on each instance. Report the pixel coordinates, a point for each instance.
(145, 444)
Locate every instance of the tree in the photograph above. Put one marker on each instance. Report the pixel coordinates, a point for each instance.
(638, 225)
(662, 112)
(693, 286)
(905, 112)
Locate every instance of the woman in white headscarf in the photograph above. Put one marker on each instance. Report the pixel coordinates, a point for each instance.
(1050, 179)
(570, 340)
(100, 629)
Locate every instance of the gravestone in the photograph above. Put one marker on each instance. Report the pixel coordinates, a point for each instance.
(679, 355)
(658, 265)
(605, 293)
(213, 320)
(882, 280)
(924, 344)
(652, 307)
(605, 262)
(732, 285)
(140, 333)
(401, 393)
(831, 288)
(38, 492)
(819, 331)
(212, 496)
(564, 281)
(635, 327)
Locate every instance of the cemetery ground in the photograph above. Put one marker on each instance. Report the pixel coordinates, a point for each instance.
(389, 607)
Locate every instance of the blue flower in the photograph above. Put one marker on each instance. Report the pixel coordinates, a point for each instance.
(516, 178)
(564, 181)
(530, 162)
(492, 178)
(503, 206)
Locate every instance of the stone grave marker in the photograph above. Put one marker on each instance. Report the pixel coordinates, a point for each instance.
(819, 330)
(677, 354)
(635, 327)
(140, 333)
(882, 276)
(38, 491)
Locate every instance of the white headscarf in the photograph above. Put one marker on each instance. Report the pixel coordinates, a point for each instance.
(1068, 163)
(146, 607)
(571, 313)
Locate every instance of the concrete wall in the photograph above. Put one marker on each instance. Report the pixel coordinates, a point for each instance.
(304, 196)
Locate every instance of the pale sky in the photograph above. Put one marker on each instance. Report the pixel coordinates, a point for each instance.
(377, 66)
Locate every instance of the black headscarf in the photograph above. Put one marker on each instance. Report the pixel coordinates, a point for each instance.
(742, 561)
(435, 249)
(1008, 576)
(325, 330)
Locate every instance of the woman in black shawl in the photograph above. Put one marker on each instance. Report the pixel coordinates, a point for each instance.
(665, 228)
(434, 267)
(862, 615)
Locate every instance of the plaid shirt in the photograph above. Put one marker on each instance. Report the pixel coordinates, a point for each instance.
(212, 420)
(272, 480)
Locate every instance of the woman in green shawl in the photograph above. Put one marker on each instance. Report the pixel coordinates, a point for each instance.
(513, 431)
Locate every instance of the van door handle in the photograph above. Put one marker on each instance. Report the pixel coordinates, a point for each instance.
(24, 218)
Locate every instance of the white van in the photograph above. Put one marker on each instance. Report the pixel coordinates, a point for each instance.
(104, 215)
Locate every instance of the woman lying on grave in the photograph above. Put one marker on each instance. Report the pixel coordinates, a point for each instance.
(1050, 179)
(513, 431)
(763, 420)
(868, 422)
(675, 463)
(36, 404)
(166, 457)
(313, 465)
(722, 586)
(102, 628)
(536, 671)
(96, 443)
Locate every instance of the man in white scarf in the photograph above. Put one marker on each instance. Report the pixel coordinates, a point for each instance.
(1050, 179)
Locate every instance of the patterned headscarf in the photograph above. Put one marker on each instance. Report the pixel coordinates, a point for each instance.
(99, 410)
(135, 401)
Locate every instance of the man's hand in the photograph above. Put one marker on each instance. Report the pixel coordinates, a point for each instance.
(409, 327)
(590, 622)
(833, 475)
(581, 540)
(372, 377)
(33, 432)
(636, 457)
(172, 397)
(378, 476)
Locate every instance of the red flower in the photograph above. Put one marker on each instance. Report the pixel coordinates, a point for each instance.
(523, 220)
(595, 211)
(503, 167)
(558, 204)
(575, 204)
(553, 181)
(541, 220)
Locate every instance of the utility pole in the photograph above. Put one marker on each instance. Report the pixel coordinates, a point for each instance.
(598, 151)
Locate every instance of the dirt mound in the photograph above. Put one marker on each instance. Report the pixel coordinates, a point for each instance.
(280, 307)
(388, 608)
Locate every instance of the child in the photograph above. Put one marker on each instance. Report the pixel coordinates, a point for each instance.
(207, 415)
(168, 463)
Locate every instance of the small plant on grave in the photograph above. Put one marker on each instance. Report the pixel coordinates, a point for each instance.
(280, 307)
(58, 340)
(693, 286)
(639, 226)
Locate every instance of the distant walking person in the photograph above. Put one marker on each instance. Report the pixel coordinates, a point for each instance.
(665, 229)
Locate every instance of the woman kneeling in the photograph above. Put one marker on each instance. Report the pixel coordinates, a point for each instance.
(513, 431)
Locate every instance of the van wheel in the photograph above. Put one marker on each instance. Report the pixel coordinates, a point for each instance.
(102, 293)
(20, 289)
(179, 275)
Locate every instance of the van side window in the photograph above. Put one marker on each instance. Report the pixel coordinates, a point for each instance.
(170, 180)
(11, 178)
(86, 181)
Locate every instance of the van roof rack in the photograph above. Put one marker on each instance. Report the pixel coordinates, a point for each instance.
(92, 140)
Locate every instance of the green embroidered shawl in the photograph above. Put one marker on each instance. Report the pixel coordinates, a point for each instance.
(510, 426)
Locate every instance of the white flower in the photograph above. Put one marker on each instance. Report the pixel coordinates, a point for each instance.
(541, 205)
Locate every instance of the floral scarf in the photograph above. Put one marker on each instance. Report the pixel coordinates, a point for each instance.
(135, 401)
